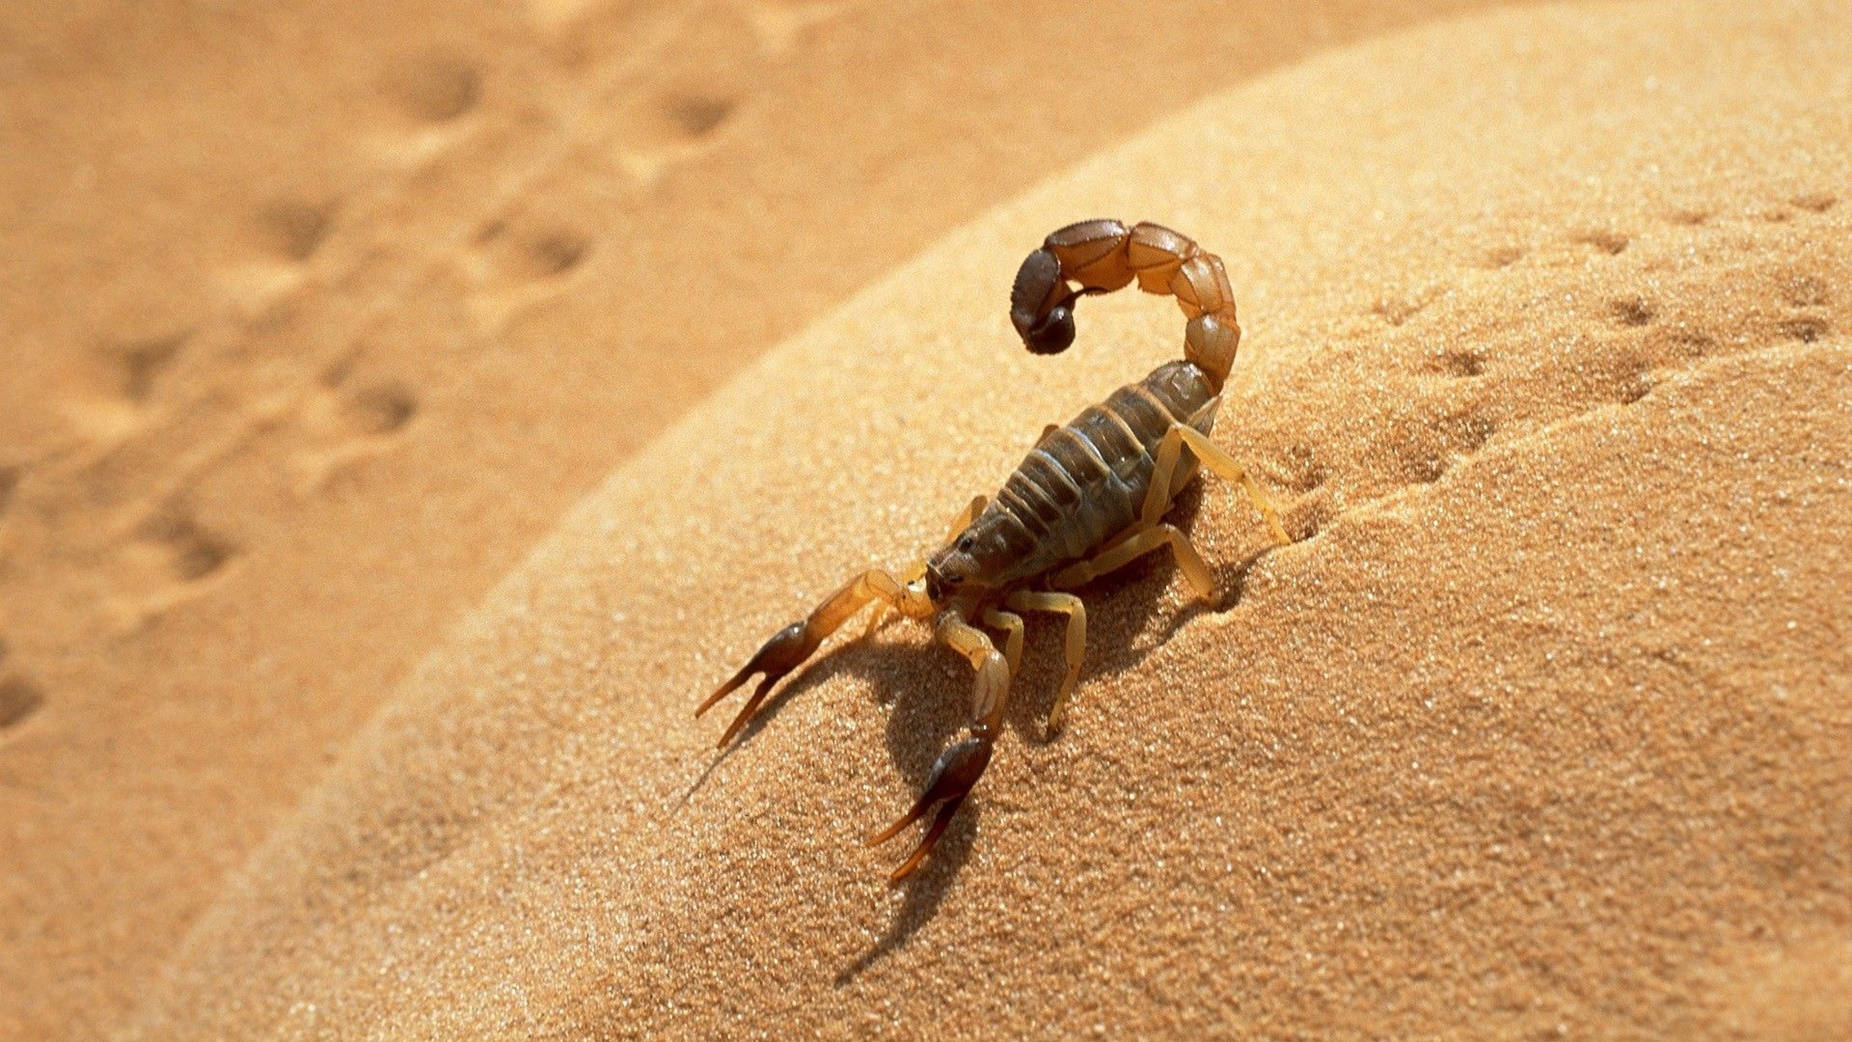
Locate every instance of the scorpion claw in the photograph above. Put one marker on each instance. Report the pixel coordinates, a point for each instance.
(951, 780)
(939, 823)
(787, 649)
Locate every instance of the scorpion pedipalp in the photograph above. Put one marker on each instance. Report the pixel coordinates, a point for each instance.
(952, 778)
(789, 647)
(785, 652)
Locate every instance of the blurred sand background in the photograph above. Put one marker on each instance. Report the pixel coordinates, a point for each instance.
(319, 321)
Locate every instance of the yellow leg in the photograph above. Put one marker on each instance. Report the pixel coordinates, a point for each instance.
(1011, 625)
(1138, 545)
(1076, 612)
(993, 670)
(961, 765)
(1170, 453)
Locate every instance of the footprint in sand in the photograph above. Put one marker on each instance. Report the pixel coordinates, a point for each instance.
(1606, 240)
(347, 421)
(1632, 310)
(1814, 202)
(167, 559)
(19, 699)
(516, 263)
(139, 363)
(426, 100)
(674, 128)
(1503, 257)
(509, 253)
(291, 228)
(1458, 363)
(125, 375)
(434, 88)
(1424, 451)
(191, 552)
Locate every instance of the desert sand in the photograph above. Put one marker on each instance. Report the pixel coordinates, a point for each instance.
(1537, 729)
(319, 315)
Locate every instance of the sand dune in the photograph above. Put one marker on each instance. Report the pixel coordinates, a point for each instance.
(1537, 730)
(318, 315)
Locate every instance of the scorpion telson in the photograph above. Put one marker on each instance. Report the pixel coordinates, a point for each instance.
(1089, 498)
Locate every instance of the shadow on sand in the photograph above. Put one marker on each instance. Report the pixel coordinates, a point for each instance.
(927, 689)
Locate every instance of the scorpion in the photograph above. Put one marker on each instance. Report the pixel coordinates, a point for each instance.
(1088, 499)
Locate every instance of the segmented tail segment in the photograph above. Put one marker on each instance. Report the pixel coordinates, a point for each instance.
(1104, 255)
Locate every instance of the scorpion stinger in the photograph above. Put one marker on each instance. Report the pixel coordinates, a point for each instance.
(1088, 499)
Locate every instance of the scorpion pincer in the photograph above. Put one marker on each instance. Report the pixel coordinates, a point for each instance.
(1089, 498)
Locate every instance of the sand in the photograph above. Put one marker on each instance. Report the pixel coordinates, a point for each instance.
(1537, 730)
(318, 316)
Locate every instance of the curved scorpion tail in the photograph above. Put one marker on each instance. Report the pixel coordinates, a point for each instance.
(1100, 256)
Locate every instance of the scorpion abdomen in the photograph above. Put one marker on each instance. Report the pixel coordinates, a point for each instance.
(1085, 480)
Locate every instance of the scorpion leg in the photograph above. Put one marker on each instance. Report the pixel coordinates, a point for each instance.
(1011, 624)
(790, 646)
(1170, 454)
(961, 765)
(1076, 612)
(1135, 546)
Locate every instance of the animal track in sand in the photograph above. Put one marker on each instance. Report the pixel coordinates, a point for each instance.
(1805, 291)
(9, 480)
(139, 362)
(349, 421)
(193, 552)
(435, 88)
(697, 115)
(1569, 340)
(291, 228)
(1425, 447)
(167, 559)
(1459, 363)
(1632, 310)
(381, 408)
(19, 699)
(1806, 329)
(1605, 240)
(517, 263)
(1305, 472)
(1631, 378)
(510, 253)
(1395, 310)
(1503, 257)
(678, 127)
(1311, 515)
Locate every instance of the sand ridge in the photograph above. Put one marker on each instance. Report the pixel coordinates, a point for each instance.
(1536, 731)
(318, 316)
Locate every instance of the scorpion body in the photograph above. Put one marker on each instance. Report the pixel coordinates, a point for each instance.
(1089, 498)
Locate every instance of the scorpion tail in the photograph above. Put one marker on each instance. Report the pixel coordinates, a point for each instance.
(1100, 256)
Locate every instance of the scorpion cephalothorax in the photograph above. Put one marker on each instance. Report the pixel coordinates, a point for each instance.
(1089, 498)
